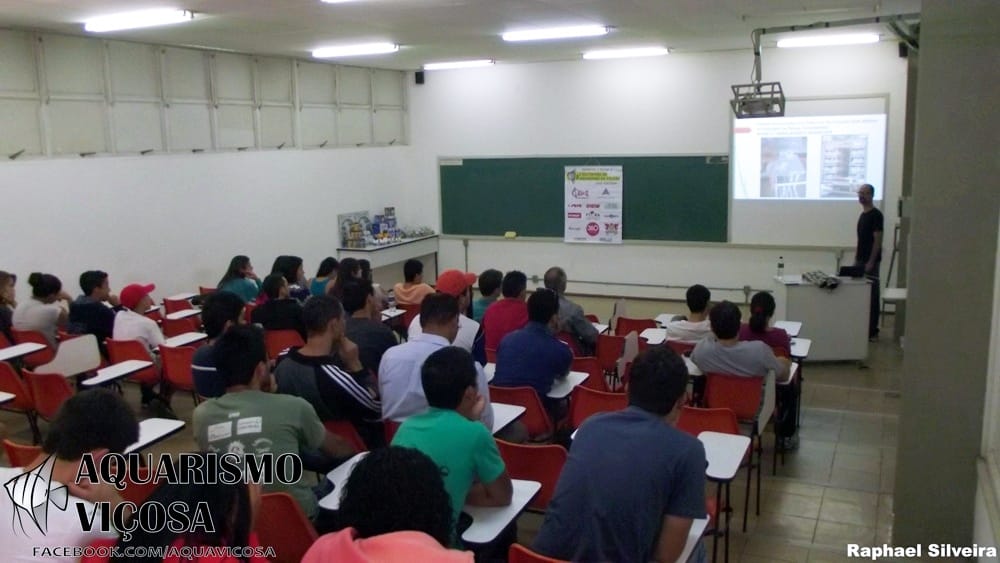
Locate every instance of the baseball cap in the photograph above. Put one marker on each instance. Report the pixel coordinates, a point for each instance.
(133, 293)
(454, 282)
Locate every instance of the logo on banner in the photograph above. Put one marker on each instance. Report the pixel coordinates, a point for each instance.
(593, 214)
(611, 216)
(606, 192)
(611, 205)
(571, 176)
(593, 206)
(593, 229)
(611, 228)
(580, 194)
(575, 205)
(574, 215)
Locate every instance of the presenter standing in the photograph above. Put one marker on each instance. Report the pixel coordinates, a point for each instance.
(868, 255)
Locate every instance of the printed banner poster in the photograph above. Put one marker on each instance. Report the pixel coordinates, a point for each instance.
(593, 204)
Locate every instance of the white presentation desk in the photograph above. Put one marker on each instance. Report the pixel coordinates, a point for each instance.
(837, 319)
(154, 430)
(19, 350)
(114, 372)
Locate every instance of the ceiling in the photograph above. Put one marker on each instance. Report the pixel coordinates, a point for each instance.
(444, 30)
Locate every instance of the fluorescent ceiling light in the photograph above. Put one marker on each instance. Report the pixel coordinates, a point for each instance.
(556, 33)
(355, 50)
(135, 20)
(626, 53)
(458, 64)
(337, 1)
(827, 40)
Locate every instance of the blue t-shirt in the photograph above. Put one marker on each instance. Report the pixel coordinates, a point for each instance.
(246, 288)
(615, 489)
(532, 356)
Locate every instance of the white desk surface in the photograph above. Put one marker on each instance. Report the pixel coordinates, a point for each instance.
(791, 327)
(117, 371)
(654, 336)
(153, 430)
(390, 314)
(19, 350)
(563, 387)
(694, 536)
(724, 453)
(339, 477)
(6, 397)
(181, 296)
(152, 309)
(800, 347)
(504, 414)
(664, 318)
(893, 294)
(183, 314)
(489, 521)
(793, 372)
(184, 339)
(601, 328)
(693, 370)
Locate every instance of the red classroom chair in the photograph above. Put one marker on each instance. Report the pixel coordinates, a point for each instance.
(176, 368)
(347, 431)
(40, 357)
(589, 364)
(535, 419)
(121, 350)
(50, 391)
(175, 305)
(585, 402)
(281, 524)
(626, 325)
(277, 341)
(542, 463)
(23, 402)
(20, 455)
(520, 554)
(174, 327)
(609, 349)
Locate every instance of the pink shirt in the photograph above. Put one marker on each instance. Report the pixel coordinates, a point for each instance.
(402, 547)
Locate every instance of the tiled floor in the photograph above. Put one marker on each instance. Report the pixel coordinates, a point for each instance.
(836, 489)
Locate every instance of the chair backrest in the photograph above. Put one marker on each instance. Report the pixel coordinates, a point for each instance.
(535, 419)
(542, 463)
(281, 524)
(176, 366)
(589, 364)
(618, 309)
(175, 305)
(739, 393)
(174, 327)
(20, 455)
(609, 349)
(491, 355)
(50, 391)
(680, 347)
(138, 487)
(694, 421)
(121, 350)
(154, 315)
(35, 358)
(75, 356)
(202, 290)
(11, 382)
(626, 325)
(277, 341)
(390, 427)
(248, 311)
(781, 351)
(3, 341)
(592, 318)
(520, 554)
(584, 402)
(568, 339)
(410, 312)
(347, 431)
(629, 351)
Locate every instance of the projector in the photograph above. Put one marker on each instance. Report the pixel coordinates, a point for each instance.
(760, 99)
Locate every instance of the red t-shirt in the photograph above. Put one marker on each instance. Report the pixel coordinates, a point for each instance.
(773, 337)
(501, 318)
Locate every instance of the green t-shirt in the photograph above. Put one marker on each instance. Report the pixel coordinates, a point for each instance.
(254, 422)
(465, 450)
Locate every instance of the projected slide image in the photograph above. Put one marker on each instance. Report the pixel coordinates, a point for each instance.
(845, 165)
(783, 167)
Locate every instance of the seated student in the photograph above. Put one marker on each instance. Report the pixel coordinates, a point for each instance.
(646, 514)
(413, 290)
(75, 430)
(381, 297)
(489, 289)
(250, 420)
(571, 317)
(350, 269)
(759, 328)
(450, 434)
(280, 311)
(46, 311)
(508, 314)
(696, 326)
(399, 373)
(131, 324)
(233, 508)
(327, 372)
(470, 335)
(219, 312)
(396, 510)
(325, 276)
(533, 356)
(364, 325)
(726, 354)
(290, 267)
(240, 279)
(8, 302)
(90, 313)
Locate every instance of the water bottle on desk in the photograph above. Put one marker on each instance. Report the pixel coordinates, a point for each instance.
(392, 301)
(781, 267)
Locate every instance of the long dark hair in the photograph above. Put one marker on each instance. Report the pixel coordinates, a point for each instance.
(5, 278)
(395, 489)
(287, 266)
(345, 273)
(761, 309)
(44, 285)
(228, 505)
(235, 270)
(328, 266)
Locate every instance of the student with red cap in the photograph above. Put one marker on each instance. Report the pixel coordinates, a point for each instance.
(458, 284)
(131, 324)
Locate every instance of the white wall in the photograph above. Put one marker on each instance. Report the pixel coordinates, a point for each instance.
(667, 105)
(176, 220)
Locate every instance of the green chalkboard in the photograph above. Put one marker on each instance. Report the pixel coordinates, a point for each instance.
(675, 198)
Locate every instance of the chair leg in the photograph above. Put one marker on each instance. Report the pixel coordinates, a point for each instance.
(746, 501)
(36, 434)
(760, 468)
